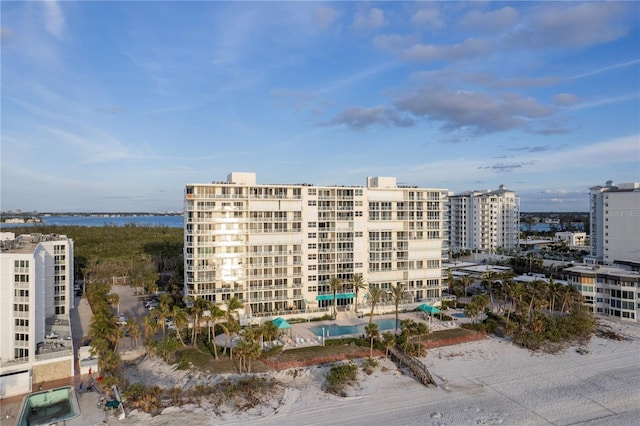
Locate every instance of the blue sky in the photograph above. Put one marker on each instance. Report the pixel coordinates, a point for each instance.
(116, 106)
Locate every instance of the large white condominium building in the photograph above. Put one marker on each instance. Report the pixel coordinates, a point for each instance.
(277, 246)
(36, 280)
(615, 223)
(608, 291)
(484, 221)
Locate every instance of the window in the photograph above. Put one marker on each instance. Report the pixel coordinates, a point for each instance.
(311, 203)
(312, 191)
(312, 224)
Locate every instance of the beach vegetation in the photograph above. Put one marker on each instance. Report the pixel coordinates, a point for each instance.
(339, 377)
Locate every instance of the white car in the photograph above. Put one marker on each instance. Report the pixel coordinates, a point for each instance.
(122, 320)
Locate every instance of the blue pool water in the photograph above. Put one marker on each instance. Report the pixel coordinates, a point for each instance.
(459, 315)
(343, 330)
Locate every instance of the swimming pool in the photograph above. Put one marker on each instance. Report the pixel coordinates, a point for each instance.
(49, 407)
(459, 315)
(343, 330)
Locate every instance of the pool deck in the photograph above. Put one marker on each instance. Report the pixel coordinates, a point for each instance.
(302, 335)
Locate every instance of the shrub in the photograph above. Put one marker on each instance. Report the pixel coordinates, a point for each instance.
(339, 377)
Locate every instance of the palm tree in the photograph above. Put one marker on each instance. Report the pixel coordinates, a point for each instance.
(466, 281)
(215, 314)
(232, 325)
(133, 329)
(388, 340)
(180, 320)
(358, 284)
(197, 309)
(553, 292)
(397, 293)
(372, 332)
(335, 284)
(375, 296)
(150, 327)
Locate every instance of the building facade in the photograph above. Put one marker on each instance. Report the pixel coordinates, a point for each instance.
(484, 221)
(615, 223)
(35, 300)
(608, 291)
(276, 247)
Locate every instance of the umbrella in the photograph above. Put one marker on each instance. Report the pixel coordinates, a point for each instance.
(429, 309)
(281, 323)
(113, 403)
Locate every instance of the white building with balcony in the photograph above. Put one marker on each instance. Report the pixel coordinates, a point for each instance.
(36, 280)
(484, 221)
(615, 223)
(276, 246)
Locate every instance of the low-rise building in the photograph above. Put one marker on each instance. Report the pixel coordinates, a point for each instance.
(608, 291)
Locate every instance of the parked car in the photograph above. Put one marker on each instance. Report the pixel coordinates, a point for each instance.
(122, 320)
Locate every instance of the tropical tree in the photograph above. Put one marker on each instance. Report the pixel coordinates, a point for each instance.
(215, 314)
(180, 320)
(388, 340)
(248, 348)
(150, 328)
(232, 324)
(143, 273)
(269, 330)
(358, 283)
(466, 281)
(371, 330)
(335, 285)
(553, 292)
(375, 296)
(132, 328)
(397, 294)
(198, 306)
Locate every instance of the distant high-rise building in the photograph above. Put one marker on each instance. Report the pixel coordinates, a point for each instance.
(484, 221)
(277, 246)
(615, 223)
(36, 280)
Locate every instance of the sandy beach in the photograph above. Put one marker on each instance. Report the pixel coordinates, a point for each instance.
(489, 382)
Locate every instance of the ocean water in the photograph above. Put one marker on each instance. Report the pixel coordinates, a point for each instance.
(151, 220)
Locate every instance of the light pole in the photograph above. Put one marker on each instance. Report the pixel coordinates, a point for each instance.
(322, 336)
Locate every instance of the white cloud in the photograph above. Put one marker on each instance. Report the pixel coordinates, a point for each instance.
(429, 18)
(326, 16)
(393, 42)
(54, 19)
(565, 99)
(476, 112)
(429, 52)
(373, 19)
(570, 25)
(490, 22)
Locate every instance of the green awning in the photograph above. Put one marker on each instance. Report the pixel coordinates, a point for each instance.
(338, 296)
(281, 323)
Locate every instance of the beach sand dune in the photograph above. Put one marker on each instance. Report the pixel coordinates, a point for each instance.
(489, 382)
